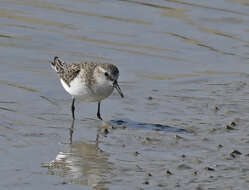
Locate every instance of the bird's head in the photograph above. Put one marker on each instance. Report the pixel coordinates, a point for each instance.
(110, 73)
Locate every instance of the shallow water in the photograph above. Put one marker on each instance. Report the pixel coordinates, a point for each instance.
(184, 69)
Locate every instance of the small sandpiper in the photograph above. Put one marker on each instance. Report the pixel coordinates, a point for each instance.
(88, 81)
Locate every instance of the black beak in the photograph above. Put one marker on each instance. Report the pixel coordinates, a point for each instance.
(116, 86)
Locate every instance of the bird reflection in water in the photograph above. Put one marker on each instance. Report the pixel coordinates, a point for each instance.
(83, 164)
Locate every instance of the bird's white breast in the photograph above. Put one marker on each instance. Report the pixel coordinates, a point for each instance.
(96, 92)
(77, 87)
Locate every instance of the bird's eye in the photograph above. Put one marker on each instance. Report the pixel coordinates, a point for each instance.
(106, 74)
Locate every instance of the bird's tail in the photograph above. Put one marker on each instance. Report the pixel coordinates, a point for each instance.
(58, 65)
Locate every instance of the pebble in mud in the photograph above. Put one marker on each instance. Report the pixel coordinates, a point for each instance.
(183, 156)
(229, 127)
(146, 183)
(195, 173)
(235, 153)
(212, 130)
(219, 146)
(104, 131)
(124, 127)
(209, 169)
(168, 173)
(136, 153)
(233, 124)
(205, 139)
(183, 167)
(148, 175)
(146, 140)
(149, 98)
(215, 108)
(178, 137)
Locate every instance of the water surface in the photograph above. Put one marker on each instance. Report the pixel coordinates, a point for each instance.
(183, 65)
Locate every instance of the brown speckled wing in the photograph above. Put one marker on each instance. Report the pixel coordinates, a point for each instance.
(70, 72)
(89, 68)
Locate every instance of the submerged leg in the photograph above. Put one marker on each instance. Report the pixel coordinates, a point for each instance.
(73, 108)
(97, 140)
(71, 132)
(98, 113)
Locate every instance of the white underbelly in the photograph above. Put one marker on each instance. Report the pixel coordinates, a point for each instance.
(80, 91)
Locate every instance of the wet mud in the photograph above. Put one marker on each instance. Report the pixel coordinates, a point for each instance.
(183, 123)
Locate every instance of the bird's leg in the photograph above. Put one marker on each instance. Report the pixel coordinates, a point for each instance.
(98, 113)
(71, 132)
(73, 108)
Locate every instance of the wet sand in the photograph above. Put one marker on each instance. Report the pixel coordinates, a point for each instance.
(183, 123)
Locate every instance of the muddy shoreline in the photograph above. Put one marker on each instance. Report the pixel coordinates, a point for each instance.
(183, 123)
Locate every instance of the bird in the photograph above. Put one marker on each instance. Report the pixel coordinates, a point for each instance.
(87, 81)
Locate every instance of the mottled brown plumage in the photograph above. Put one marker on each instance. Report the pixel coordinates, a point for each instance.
(72, 70)
(68, 72)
